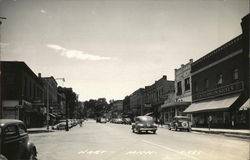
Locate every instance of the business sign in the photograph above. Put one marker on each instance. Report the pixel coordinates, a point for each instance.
(225, 90)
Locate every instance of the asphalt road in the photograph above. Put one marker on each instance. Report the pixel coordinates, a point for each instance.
(95, 141)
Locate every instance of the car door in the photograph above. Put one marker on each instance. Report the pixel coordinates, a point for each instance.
(23, 140)
(10, 142)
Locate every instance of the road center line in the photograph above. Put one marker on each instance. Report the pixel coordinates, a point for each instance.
(172, 150)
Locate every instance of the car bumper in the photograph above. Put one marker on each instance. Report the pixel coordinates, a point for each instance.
(147, 129)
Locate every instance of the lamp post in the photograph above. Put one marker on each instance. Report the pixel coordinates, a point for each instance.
(1, 106)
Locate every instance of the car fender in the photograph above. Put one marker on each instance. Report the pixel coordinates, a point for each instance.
(31, 146)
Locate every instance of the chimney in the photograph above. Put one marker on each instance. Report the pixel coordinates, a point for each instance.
(191, 60)
(164, 77)
(39, 75)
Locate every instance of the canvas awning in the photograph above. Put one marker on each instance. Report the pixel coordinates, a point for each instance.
(172, 104)
(245, 106)
(214, 104)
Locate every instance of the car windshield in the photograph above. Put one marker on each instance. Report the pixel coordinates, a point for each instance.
(146, 119)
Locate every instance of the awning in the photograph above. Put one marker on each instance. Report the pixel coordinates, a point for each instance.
(214, 104)
(245, 106)
(172, 104)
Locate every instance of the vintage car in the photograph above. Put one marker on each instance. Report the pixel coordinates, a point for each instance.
(126, 121)
(59, 126)
(103, 120)
(180, 123)
(14, 140)
(144, 124)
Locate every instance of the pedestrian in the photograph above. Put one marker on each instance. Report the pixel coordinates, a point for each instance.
(161, 122)
(80, 122)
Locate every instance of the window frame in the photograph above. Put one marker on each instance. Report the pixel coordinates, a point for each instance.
(187, 84)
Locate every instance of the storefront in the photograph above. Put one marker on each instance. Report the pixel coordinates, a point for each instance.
(170, 110)
(224, 112)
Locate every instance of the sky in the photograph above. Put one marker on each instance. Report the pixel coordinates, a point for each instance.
(110, 48)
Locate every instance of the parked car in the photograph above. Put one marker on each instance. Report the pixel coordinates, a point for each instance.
(103, 120)
(144, 123)
(180, 123)
(14, 140)
(59, 126)
(127, 121)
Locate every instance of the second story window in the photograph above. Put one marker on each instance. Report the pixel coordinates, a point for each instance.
(236, 74)
(187, 84)
(219, 79)
(179, 88)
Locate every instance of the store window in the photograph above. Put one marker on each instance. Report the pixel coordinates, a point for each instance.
(187, 84)
(236, 74)
(219, 79)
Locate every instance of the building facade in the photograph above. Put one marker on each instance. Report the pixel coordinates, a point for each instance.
(22, 94)
(137, 101)
(116, 108)
(182, 98)
(156, 95)
(71, 101)
(220, 84)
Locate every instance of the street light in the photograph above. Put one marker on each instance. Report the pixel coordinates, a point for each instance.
(67, 122)
(1, 106)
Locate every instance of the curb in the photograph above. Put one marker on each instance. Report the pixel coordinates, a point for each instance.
(39, 131)
(228, 134)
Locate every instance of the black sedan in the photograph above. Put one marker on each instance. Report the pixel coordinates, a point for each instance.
(144, 124)
(14, 140)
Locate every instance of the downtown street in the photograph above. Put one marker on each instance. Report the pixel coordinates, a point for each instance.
(97, 141)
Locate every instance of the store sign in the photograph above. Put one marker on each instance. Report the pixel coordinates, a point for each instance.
(225, 90)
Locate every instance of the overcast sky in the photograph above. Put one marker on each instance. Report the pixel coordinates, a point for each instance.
(110, 48)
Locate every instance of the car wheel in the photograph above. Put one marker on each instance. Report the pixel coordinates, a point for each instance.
(139, 131)
(133, 130)
(175, 128)
(154, 132)
(33, 154)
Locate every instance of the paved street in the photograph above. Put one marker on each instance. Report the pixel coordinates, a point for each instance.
(95, 141)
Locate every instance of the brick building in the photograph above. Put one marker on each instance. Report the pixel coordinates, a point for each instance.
(220, 84)
(22, 93)
(137, 101)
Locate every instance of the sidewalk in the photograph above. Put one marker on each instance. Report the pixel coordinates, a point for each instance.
(39, 130)
(239, 133)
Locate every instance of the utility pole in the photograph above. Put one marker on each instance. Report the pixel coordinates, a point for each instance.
(47, 108)
(1, 106)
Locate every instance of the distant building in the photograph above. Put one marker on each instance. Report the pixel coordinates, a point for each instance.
(116, 108)
(71, 101)
(156, 94)
(182, 97)
(50, 95)
(220, 84)
(22, 94)
(126, 105)
(137, 101)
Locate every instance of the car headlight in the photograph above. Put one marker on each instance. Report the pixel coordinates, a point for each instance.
(155, 125)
